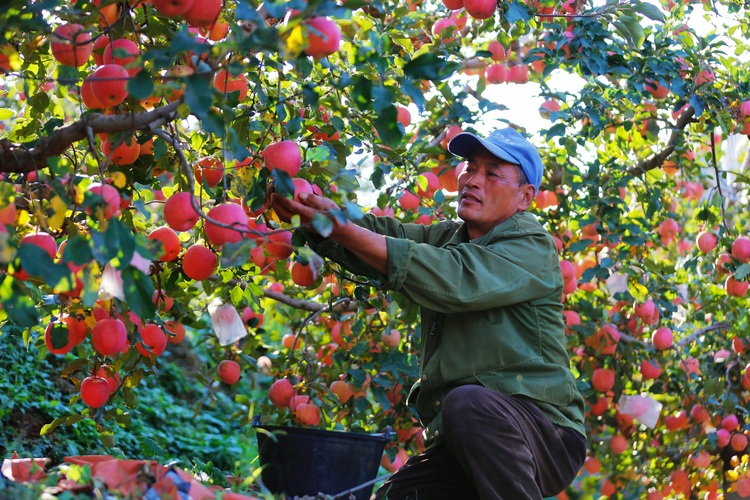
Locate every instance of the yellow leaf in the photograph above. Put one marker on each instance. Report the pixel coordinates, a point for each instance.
(7, 251)
(59, 208)
(295, 42)
(119, 179)
(23, 218)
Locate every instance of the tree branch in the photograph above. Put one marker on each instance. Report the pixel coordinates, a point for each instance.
(19, 158)
(657, 160)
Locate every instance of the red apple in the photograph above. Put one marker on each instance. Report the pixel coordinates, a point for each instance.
(202, 13)
(179, 212)
(323, 37)
(95, 391)
(301, 186)
(170, 243)
(71, 45)
(662, 338)
(153, 340)
(199, 263)
(480, 9)
(496, 73)
(284, 155)
(230, 214)
(279, 244)
(304, 275)
(123, 52)
(603, 379)
(109, 84)
(444, 27)
(650, 369)
(281, 393)
(229, 371)
(172, 8)
(109, 336)
(736, 288)
(741, 249)
(706, 241)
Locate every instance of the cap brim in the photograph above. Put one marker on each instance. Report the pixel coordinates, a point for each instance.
(466, 144)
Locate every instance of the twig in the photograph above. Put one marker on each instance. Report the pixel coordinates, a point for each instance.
(657, 160)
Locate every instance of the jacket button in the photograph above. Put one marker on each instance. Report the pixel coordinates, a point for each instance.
(437, 433)
(437, 403)
(424, 378)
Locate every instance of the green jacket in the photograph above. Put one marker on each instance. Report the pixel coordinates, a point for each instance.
(491, 312)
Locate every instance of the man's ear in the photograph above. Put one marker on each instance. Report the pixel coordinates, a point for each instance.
(528, 193)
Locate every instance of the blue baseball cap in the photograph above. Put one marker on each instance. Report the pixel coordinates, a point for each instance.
(505, 143)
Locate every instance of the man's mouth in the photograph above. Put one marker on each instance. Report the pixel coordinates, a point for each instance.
(469, 198)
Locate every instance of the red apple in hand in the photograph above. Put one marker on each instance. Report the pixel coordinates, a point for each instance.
(284, 155)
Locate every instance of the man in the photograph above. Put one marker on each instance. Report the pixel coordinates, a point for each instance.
(503, 417)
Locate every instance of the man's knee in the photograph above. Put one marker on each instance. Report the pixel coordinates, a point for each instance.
(465, 403)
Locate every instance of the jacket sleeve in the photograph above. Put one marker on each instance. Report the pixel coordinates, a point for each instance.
(469, 276)
(386, 226)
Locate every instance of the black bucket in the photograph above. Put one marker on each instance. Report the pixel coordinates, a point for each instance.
(299, 461)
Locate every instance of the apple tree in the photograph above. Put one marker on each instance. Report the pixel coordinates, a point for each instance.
(138, 140)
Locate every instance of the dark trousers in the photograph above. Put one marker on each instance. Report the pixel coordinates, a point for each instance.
(496, 447)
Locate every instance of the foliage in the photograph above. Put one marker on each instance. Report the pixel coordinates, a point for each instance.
(649, 152)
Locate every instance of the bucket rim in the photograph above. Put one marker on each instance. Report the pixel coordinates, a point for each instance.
(385, 436)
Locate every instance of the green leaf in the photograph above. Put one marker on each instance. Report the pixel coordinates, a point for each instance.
(429, 66)
(322, 224)
(387, 126)
(141, 85)
(17, 303)
(742, 271)
(6, 113)
(117, 242)
(236, 254)
(517, 12)
(58, 335)
(139, 291)
(47, 428)
(630, 28)
(37, 262)
(198, 95)
(649, 10)
(282, 183)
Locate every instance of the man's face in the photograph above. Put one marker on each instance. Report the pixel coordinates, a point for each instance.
(488, 193)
